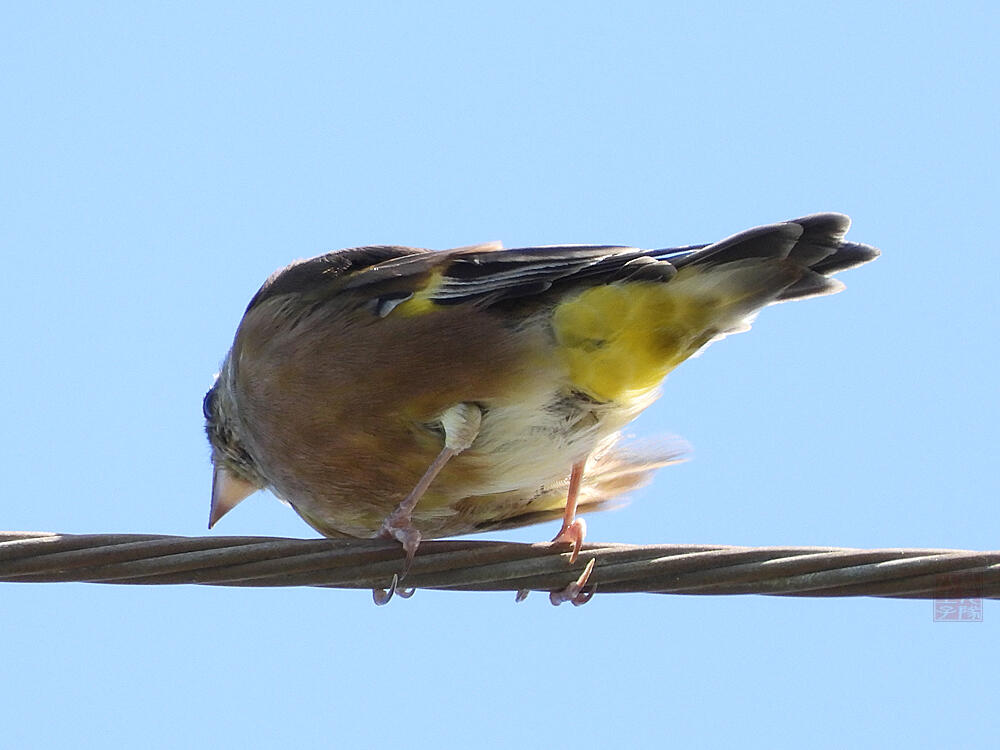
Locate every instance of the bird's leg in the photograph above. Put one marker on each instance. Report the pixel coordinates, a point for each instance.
(398, 525)
(573, 529)
(461, 427)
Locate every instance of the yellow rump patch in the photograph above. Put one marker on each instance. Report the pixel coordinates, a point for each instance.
(620, 340)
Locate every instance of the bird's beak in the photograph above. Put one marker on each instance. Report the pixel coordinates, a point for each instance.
(227, 492)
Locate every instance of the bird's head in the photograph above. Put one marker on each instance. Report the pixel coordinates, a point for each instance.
(236, 474)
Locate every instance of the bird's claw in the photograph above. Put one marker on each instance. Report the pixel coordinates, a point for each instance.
(574, 593)
(382, 596)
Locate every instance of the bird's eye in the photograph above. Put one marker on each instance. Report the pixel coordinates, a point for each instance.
(208, 404)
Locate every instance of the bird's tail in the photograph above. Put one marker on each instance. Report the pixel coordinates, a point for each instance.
(810, 249)
(763, 266)
(620, 340)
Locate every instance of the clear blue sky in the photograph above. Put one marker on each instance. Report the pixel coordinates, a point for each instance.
(158, 162)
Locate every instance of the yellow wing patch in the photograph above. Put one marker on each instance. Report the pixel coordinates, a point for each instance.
(620, 340)
(421, 301)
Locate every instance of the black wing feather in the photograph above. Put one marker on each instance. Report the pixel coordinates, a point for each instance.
(486, 275)
(313, 276)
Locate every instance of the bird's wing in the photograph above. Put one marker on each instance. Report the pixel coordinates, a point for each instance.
(315, 278)
(485, 274)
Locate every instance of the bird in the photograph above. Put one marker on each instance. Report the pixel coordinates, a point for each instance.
(409, 394)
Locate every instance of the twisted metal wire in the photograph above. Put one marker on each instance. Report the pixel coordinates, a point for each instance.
(498, 566)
